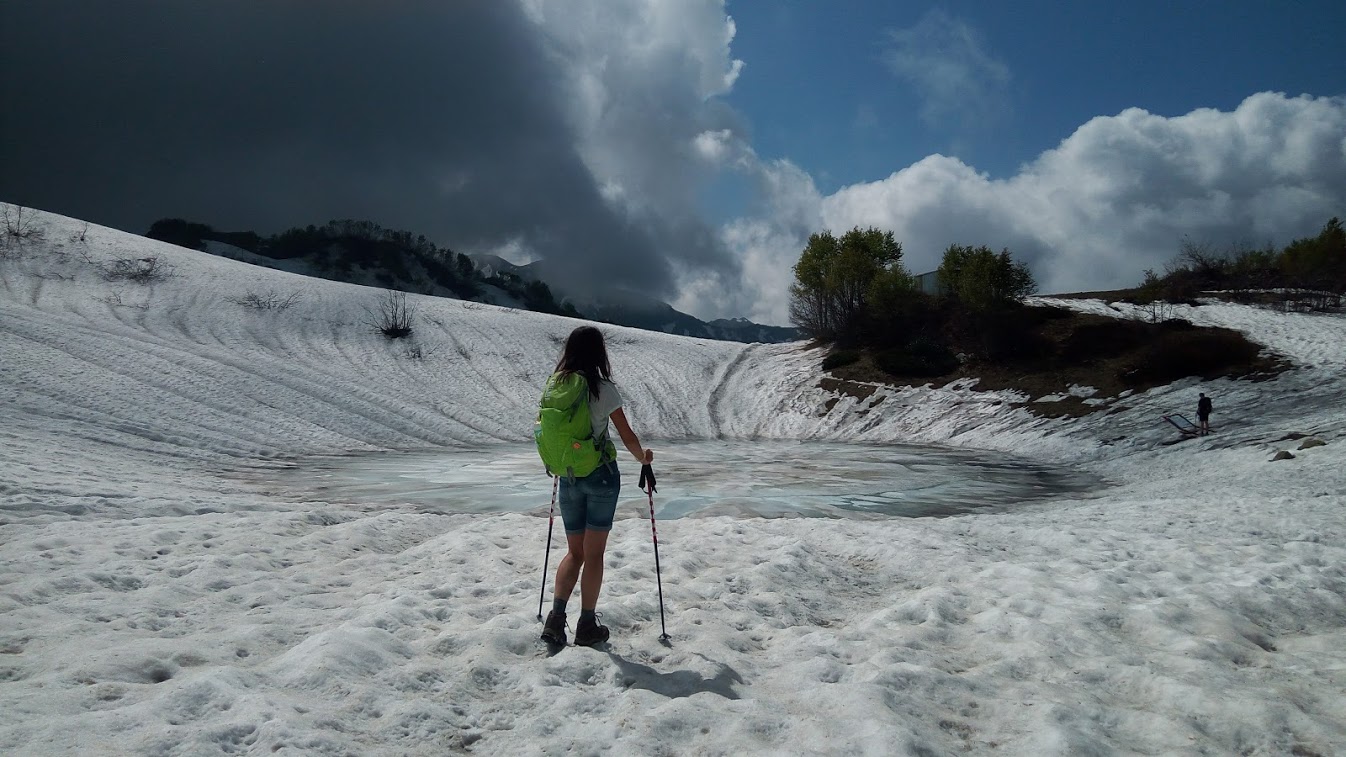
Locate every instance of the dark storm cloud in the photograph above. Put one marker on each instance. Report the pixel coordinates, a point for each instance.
(437, 117)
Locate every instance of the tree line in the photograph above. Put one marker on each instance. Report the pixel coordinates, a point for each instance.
(1310, 271)
(853, 290)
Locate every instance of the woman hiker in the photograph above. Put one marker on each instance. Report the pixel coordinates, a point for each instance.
(588, 504)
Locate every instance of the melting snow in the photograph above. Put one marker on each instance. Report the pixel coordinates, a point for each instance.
(153, 603)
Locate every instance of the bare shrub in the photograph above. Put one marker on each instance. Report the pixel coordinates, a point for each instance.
(392, 317)
(21, 223)
(268, 300)
(1310, 301)
(1159, 311)
(1152, 296)
(1198, 257)
(114, 298)
(151, 270)
(82, 236)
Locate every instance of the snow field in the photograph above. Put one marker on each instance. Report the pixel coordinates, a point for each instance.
(151, 603)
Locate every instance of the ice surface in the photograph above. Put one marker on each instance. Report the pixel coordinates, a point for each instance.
(764, 478)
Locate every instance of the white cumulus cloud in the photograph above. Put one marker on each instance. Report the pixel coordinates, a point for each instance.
(767, 245)
(1116, 197)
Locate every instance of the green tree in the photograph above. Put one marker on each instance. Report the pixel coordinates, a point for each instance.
(890, 290)
(1318, 262)
(1251, 268)
(835, 276)
(981, 279)
(898, 313)
(463, 265)
(810, 306)
(537, 296)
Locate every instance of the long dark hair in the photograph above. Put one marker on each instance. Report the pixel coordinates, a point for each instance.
(586, 355)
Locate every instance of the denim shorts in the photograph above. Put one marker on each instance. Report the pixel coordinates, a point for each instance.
(591, 502)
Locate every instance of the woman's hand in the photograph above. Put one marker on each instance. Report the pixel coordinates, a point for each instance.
(649, 456)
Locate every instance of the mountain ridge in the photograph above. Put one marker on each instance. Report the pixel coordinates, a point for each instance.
(627, 308)
(361, 252)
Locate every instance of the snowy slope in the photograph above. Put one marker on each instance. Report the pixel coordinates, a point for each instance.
(153, 603)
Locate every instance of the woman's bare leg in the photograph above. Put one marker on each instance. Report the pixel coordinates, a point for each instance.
(594, 544)
(568, 570)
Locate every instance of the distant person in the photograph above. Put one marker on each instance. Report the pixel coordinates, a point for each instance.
(589, 503)
(1203, 413)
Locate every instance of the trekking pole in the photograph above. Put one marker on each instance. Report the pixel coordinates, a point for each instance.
(647, 478)
(551, 518)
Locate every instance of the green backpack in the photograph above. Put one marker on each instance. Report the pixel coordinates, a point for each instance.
(563, 432)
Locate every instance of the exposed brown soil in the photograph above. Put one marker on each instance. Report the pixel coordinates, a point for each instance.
(1109, 354)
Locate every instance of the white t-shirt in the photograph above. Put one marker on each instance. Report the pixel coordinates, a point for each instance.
(608, 400)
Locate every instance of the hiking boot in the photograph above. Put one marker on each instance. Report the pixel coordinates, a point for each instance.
(554, 630)
(590, 632)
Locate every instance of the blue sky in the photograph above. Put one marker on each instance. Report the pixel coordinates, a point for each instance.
(687, 148)
(819, 86)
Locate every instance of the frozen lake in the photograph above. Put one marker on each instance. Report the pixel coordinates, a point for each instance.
(769, 479)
